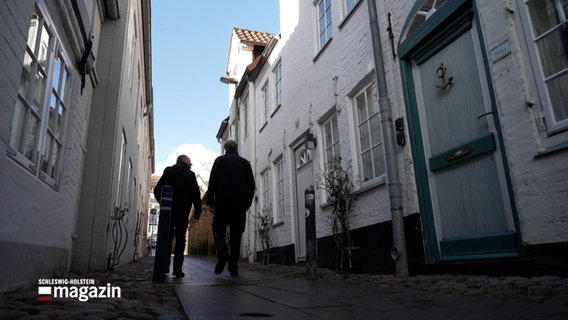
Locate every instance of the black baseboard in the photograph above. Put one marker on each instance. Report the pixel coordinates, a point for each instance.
(373, 255)
(537, 260)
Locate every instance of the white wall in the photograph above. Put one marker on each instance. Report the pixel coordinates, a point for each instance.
(309, 93)
(37, 221)
(118, 109)
(540, 185)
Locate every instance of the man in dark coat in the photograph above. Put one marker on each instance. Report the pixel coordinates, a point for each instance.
(229, 195)
(185, 193)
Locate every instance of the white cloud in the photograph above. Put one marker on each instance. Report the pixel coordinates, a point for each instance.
(201, 159)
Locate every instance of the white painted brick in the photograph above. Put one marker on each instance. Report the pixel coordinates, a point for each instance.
(540, 185)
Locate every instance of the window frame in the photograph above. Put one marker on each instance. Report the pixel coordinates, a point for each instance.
(49, 110)
(54, 134)
(366, 126)
(122, 181)
(265, 91)
(132, 34)
(266, 204)
(348, 11)
(553, 132)
(279, 213)
(277, 74)
(245, 107)
(234, 129)
(350, 5)
(325, 32)
(335, 147)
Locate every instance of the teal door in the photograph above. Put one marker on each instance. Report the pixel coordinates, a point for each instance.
(463, 189)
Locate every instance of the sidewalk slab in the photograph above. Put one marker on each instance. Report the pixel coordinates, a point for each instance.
(253, 294)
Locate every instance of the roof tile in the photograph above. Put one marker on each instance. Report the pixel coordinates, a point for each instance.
(255, 37)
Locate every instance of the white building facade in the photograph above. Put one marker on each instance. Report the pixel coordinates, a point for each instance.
(55, 58)
(478, 114)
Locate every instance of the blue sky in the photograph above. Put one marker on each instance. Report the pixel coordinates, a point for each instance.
(190, 44)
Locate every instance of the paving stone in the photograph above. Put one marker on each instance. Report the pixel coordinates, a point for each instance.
(544, 289)
(9, 314)
(143, 299)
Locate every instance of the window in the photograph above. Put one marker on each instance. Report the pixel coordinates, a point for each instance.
(130, 189)
(350, 4)
(137, 106)
(36, 139)
(265, 195)
(324, 21)
(120, 188)
(245, 118)
(304, 157)
(57, 110)
(331, 139)
(279, 190)
(234, 130)
(427, 9)
(132, 34)
(278, 85)
(265, 103)
(548, 33)
(370, 137)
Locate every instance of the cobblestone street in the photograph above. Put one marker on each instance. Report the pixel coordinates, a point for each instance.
(143, 299)
(543, 289)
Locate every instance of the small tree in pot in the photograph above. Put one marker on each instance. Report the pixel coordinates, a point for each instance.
(337, 181)
(264, 224)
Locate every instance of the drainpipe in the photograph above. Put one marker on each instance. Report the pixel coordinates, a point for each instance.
(112, 11)
(398, 252)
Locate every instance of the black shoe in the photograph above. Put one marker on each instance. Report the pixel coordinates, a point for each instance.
(234, 270)
(220, 266)
(178, 273)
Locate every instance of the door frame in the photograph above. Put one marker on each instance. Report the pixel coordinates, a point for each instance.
(299, 211)
(449, 22)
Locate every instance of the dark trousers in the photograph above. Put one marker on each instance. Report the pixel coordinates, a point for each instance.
(178, 228)
(234, 217)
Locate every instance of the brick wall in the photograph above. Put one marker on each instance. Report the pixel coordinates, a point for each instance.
(200, 237)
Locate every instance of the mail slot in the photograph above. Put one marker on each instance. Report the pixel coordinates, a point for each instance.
(459, 153)
(466, 150)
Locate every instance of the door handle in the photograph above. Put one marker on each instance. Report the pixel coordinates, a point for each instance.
(484, 114)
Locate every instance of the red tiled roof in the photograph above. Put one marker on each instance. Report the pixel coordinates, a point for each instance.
(255, 37)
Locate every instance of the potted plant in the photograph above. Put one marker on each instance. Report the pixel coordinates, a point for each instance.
(337, 181)
(264, 223)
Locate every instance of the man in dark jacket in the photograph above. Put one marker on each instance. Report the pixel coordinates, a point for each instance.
(229, 195)
(185, 193)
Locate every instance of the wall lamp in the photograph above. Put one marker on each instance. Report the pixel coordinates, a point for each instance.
(228, 80)
(311, 141)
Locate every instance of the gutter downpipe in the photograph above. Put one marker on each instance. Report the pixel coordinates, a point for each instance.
(398, 252)
(112, 9)
(149, 89)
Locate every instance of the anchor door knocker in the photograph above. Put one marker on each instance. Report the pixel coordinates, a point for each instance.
(441, 74)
